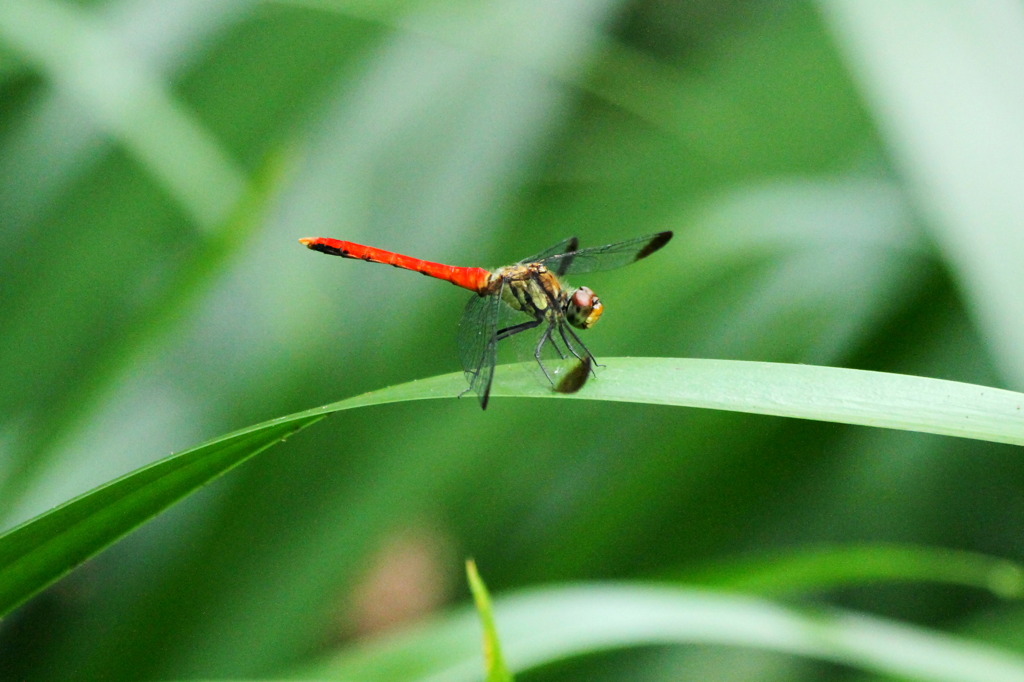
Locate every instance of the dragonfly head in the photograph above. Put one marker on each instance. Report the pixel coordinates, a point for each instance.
(584, 308)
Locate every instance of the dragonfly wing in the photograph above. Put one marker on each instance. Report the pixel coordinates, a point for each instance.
(563, 247)
(478, 342)
(607, 257)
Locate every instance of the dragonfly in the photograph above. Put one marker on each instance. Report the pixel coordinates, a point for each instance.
(533, 287)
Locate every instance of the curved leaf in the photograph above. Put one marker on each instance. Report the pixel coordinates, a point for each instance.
(542, 626)
(43, 549)
(849, 396)
(841, 566)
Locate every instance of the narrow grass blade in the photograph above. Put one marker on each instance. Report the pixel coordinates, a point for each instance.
(497, 671)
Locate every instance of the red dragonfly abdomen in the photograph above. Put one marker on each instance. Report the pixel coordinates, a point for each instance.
(474, 279)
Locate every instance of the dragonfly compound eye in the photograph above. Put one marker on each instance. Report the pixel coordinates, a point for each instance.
(584, 308)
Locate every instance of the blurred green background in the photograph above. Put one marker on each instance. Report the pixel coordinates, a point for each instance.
(845, 183)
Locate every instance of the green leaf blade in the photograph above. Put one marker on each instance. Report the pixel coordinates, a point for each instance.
(37, 553)
(828, 567)
(546, 625)
(40, 551)
(497, 670)
(848, 396)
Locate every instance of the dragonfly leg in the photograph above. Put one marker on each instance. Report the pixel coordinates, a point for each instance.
(544, 338)
(554, 343)
(515, 329)
(566, 332)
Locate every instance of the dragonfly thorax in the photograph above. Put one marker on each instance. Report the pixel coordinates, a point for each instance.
(538, 292)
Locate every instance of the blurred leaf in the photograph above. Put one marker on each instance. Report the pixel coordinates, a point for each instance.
(832, 567)
(543, 626)
(79, 56)
(946, 84)
(148, 326)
